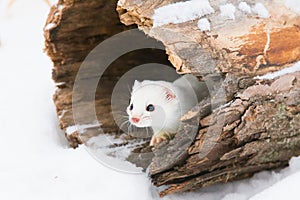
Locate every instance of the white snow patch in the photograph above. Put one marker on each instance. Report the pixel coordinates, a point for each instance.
(60, 84)
(294, 5)
(50, 26)
(227, 11)
(261, 10)
(294, 164)
(112, 157)
(203, 24)
(57, 14)
(288, 70)
(243, 6)
(235, 196)
(181, 12)
(121, 2)
(59, 7)
(80, 128)
(71, 129)
(62, 114)
(52, 2)
(288, 188)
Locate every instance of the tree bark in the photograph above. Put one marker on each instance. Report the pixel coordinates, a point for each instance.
(247, 125)
(72, 30)
(259, 127)
(260, 130)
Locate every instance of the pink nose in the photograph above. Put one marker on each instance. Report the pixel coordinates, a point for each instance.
(135, 120)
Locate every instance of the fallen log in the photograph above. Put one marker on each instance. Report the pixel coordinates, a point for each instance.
(250, 122)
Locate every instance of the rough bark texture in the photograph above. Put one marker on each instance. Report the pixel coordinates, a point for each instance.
(247, 125)
(260, 130)
(72, 30)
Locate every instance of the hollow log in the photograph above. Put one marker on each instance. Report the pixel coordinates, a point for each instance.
(73, 29)
(250, 122)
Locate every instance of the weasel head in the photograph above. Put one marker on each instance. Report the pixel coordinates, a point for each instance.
(153, 104)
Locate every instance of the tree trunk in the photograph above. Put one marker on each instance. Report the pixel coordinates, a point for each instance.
(248, 124)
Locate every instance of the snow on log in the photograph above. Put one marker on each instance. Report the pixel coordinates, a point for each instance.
(239, 41)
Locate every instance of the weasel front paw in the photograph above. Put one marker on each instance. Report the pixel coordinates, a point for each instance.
(158, 138)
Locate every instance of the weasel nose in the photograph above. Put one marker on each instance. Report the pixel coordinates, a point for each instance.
(135, 119)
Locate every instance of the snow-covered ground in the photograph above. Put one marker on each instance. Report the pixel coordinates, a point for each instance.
(35, 163)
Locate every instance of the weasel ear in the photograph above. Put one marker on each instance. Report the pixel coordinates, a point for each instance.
(136, 85)
(170, 95)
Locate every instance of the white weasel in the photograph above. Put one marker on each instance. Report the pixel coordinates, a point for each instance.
(160, 104)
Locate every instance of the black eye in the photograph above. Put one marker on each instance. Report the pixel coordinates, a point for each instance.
(131, 107)
(150, 108)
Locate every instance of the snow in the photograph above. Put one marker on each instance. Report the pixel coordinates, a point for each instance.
(294, 5)
(243, 6)
(181, 12)
(227, 11)
(121, 2)
(291, 69)
(80, 128)
(99, 148)
(203, 24)
(287, 188)
(235, 196)
(35, 163)
(50, 26)
(258, 9)
(261, 10)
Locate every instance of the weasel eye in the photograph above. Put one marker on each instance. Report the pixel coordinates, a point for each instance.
(150, 108)
(131, 107)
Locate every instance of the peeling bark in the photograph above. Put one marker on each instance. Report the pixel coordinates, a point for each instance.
(260, 131)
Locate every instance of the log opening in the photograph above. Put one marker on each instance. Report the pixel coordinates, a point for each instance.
(72, 31)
